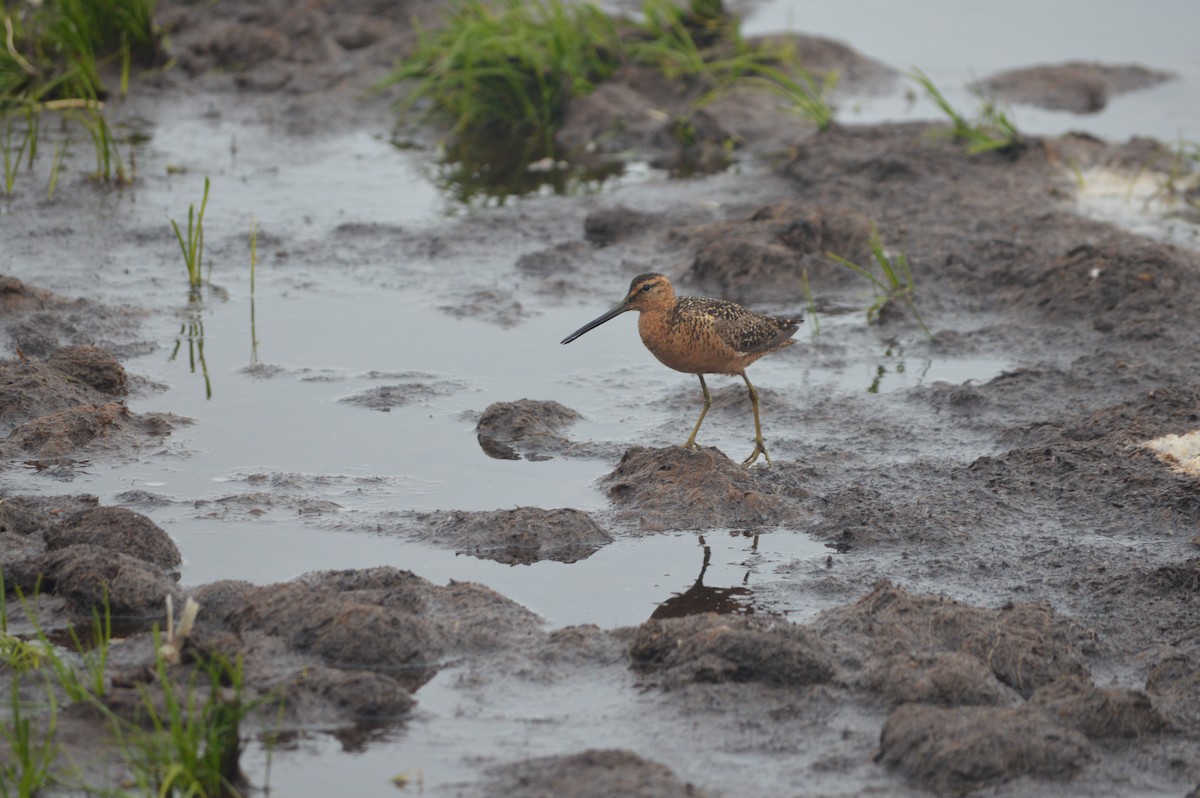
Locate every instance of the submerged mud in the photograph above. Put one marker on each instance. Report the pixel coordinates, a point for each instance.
(1069, 662)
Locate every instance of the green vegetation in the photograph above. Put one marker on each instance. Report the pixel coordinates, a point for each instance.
(991, 131)
(193, 744)
(509, 71)
(191, 329)
(53, 60)
(193, 246)
(32, 754)
(500, 77)
(56, 49)
(1182, 174)
(186, 741)
(894, 282)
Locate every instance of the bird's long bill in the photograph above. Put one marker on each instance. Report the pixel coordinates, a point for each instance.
(594, 323)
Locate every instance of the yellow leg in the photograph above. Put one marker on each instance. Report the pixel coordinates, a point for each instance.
(760, 447)
(691, 441)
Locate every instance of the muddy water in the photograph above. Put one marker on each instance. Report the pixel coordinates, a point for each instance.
(311, 337)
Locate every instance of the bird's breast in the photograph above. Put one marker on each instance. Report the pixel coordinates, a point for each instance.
(687, 345)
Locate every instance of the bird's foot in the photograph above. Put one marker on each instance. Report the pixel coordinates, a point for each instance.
(759, 448)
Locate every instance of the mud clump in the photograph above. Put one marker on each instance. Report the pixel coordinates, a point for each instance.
(610, 225)
(385, 397)
(116, 529)
(953, 751)
(1079, 87)
(948, 679)
(526, 428)
(392, 618)
(1184, 577)
(593, 773)
(1097, 712)
(91, 366)
(29, 389)
(33, 515)
(360, 696)
(730, 648)
(91, 578)
(519, 536)
(638, 108)
(1174, 685)
(104, 428)
(93, 557)
(57, 409)
(16, 297)
(352, 645)
(1097, 459)
(765, 256)
(1127, 286)
(1025, 646)
(677, 488)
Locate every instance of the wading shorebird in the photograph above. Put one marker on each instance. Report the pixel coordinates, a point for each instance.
(697, 335)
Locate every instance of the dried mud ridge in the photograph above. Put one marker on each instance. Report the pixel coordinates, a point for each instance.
(1081, 673)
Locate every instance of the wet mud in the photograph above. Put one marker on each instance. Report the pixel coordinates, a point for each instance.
(1070, 664)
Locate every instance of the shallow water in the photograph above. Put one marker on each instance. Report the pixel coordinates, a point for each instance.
(957, 42)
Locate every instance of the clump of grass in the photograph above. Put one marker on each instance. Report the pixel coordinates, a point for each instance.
(12, 155)
(509, 70)
(55, 49)
(193, 245)
(501, 77)
(27, 771)
(190, 740)
(704, 42)
(892, 283)
(1182, 178)
(805, 96)
(53, 55)
(991, 131)
(193, 744)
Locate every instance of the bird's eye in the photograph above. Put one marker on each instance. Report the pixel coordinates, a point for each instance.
(646, 288)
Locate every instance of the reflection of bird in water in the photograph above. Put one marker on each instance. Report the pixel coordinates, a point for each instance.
(702, 336)
(699, 599)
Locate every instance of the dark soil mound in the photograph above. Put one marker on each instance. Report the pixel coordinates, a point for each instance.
(943, 678)
(1025, 646)
(91, 556)
(958, 750)
(91, 366)
(1174, 684)
(520, 536)
(766, 256)
(1100, 454)
(116, 529)
(730, 648)
(525, 428)
(1083, 88)
(590, 774)
(675, 488)
(1099, 712)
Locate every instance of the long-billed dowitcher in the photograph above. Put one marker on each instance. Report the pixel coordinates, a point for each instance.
(697, 335)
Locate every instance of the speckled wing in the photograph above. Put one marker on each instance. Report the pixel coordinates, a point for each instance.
(742, 330)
